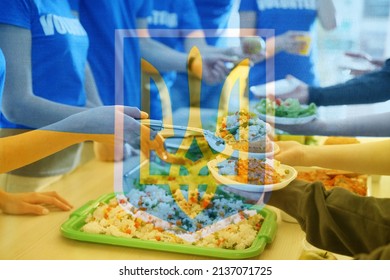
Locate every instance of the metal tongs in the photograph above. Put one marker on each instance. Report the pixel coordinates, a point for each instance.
(210, 136)
(157, 125)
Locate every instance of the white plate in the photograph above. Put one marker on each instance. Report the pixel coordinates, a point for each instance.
(286, 121)
(212, 165)
(227, 150)
(277, 88)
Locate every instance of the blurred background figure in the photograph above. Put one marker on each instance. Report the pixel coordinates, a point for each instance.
(293, 46)
(177, 24)
(48, 79)
(218, 19)
(119, 75)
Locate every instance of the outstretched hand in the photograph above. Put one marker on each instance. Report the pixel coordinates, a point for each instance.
(291, 153)
(362, 63)
(111, 127)
(300, 90)
(215, 69)
(294, 42)
(32, 203)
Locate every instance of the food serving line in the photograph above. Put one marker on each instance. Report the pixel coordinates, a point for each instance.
(25, 237)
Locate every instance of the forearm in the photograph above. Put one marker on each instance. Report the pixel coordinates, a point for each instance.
(35, 112)
(20, 104)
(22, 149)
(376, 125)
(336, 220)
(162, 57)
(370, 88)
(327, 14)
(371, 158)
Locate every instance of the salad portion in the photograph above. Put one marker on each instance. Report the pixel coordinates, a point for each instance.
(244, 131)
(289, 108)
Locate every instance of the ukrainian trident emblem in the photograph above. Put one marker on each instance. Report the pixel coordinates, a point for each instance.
(190, 174)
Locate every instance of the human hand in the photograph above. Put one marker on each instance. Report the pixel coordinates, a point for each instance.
(294, 42)
(111, 128)
(32, 203)
(291, 87)
(253, 48)
(361, 63)
(291, 153)
(215, 68)
(300, 91)
(366, 57)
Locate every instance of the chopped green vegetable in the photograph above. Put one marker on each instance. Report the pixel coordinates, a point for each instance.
(289, 108)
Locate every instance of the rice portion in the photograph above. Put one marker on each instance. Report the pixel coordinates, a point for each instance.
(118, 218)
(246, 132)
(166, 206)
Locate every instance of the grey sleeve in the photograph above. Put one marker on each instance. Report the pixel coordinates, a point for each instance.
(337, 220)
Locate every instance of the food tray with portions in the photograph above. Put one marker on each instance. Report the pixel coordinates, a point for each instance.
(72, 229)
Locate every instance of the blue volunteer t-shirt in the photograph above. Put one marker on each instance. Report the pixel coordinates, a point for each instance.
(282, 16)
(172, 20)
(102, 19)
(214, 17)
(2, 72)
(58, 51)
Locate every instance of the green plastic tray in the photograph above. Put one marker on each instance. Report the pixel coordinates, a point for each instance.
(72, 229)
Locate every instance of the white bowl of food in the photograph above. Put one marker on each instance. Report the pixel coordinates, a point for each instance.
(252, 175)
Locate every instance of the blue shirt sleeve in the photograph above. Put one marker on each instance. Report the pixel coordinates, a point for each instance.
(15, 12)
(248, 5)
(146, 9)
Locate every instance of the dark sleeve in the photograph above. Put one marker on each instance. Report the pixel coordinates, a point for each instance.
(382, 253)
(337, 220)
(370, 88)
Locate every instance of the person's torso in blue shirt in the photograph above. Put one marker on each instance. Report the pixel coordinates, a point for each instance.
(102, 19)
(58, 52)
(214, 17)
(282, 16)
(170, 23)
(172, 20)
